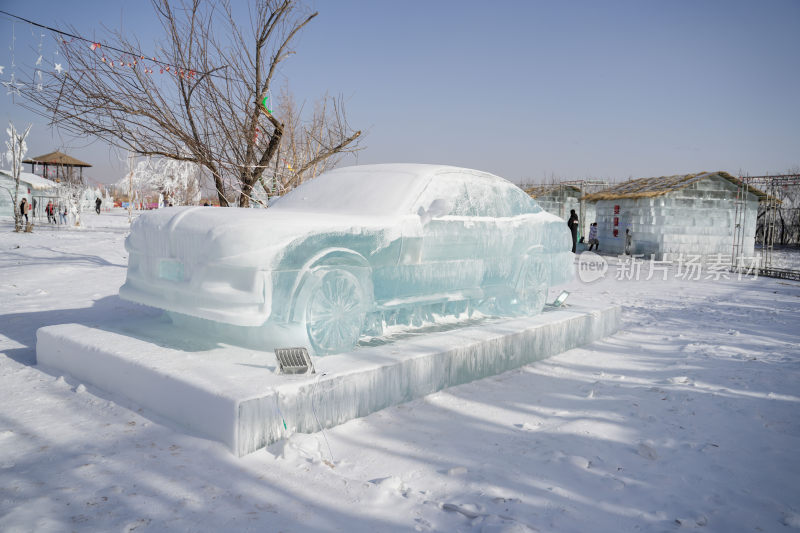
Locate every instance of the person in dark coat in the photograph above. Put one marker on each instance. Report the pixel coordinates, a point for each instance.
(628, 242)
(23, 209)
(97, 204)
(573, 227)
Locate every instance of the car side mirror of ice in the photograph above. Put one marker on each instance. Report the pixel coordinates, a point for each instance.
(438, 208)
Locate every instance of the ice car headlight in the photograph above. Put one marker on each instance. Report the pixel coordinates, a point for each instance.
(235, 282)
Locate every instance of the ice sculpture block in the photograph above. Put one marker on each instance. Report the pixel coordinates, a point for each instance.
(345, 254)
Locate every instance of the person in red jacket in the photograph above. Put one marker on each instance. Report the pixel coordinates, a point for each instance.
(51, 218)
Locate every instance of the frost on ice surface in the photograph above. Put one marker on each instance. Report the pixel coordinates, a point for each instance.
(349, 253)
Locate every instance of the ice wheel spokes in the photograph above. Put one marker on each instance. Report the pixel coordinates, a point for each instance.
(534, 286)
(335, 313)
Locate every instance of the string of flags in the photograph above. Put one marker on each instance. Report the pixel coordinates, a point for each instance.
(106, 55)
(110, 56)
(134, 61)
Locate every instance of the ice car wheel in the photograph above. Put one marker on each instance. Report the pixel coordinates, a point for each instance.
(335, 312)
(533, 286)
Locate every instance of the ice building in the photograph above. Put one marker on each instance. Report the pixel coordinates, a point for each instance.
(692, 214)
(31, 187)
(560, 198)
(556, 198)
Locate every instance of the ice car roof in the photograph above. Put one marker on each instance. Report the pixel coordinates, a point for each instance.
(372, 190)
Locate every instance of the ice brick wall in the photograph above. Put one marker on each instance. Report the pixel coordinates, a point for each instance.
(7, 186)
(558, 206)
(589, 216)
(696, 220)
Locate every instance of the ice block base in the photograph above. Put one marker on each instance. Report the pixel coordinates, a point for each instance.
(234, 395)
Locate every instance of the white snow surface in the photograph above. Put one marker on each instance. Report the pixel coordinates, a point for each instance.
(685, 419)
(36, 182)
(389, 191)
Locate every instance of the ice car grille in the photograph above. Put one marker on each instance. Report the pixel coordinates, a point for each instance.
(184, 248)
(154, 242)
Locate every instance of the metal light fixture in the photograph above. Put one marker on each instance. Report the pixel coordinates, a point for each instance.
(558, 302)
(294, 360)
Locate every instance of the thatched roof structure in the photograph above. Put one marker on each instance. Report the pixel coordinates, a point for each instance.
(652, 187)
(544, 190)
(57, 158)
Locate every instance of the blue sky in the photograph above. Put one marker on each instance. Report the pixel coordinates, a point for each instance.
(524, 89)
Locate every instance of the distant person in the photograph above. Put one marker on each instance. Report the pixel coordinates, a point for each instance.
(97, 203)
(628, 242)
(23, 209)
(51, 216)
(64, 216)
(593, 237)
(34, 207)
(573, 227)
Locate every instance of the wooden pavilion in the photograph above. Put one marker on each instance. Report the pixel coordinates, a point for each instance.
(64, 164)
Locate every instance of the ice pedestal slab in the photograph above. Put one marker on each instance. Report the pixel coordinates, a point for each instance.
(234, 395)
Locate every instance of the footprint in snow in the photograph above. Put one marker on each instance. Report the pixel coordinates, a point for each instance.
(680, 380)
(646, 451)
(503, 524)
(701, 521)
(391, 483)
(792, 520)
(132, 526)
(470, 510)
(500, 499)
(580, 462)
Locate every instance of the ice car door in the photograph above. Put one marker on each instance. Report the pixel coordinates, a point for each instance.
(503, 238)
(447, 265)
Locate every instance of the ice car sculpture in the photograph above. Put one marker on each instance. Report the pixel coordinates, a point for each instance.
(348, 252)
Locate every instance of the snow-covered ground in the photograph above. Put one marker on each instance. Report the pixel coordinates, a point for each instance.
(688, 418)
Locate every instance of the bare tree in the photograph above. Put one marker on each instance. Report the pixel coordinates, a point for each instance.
(16, 152)
(780, 215)
(199, 100)
(310, 147)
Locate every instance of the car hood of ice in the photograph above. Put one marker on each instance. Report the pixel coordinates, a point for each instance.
(372, 190)
(250, 237)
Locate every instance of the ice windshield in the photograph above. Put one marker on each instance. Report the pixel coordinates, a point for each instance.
(368, 191)
(476, 194)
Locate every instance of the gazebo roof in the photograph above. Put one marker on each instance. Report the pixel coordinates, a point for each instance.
(57, 158)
